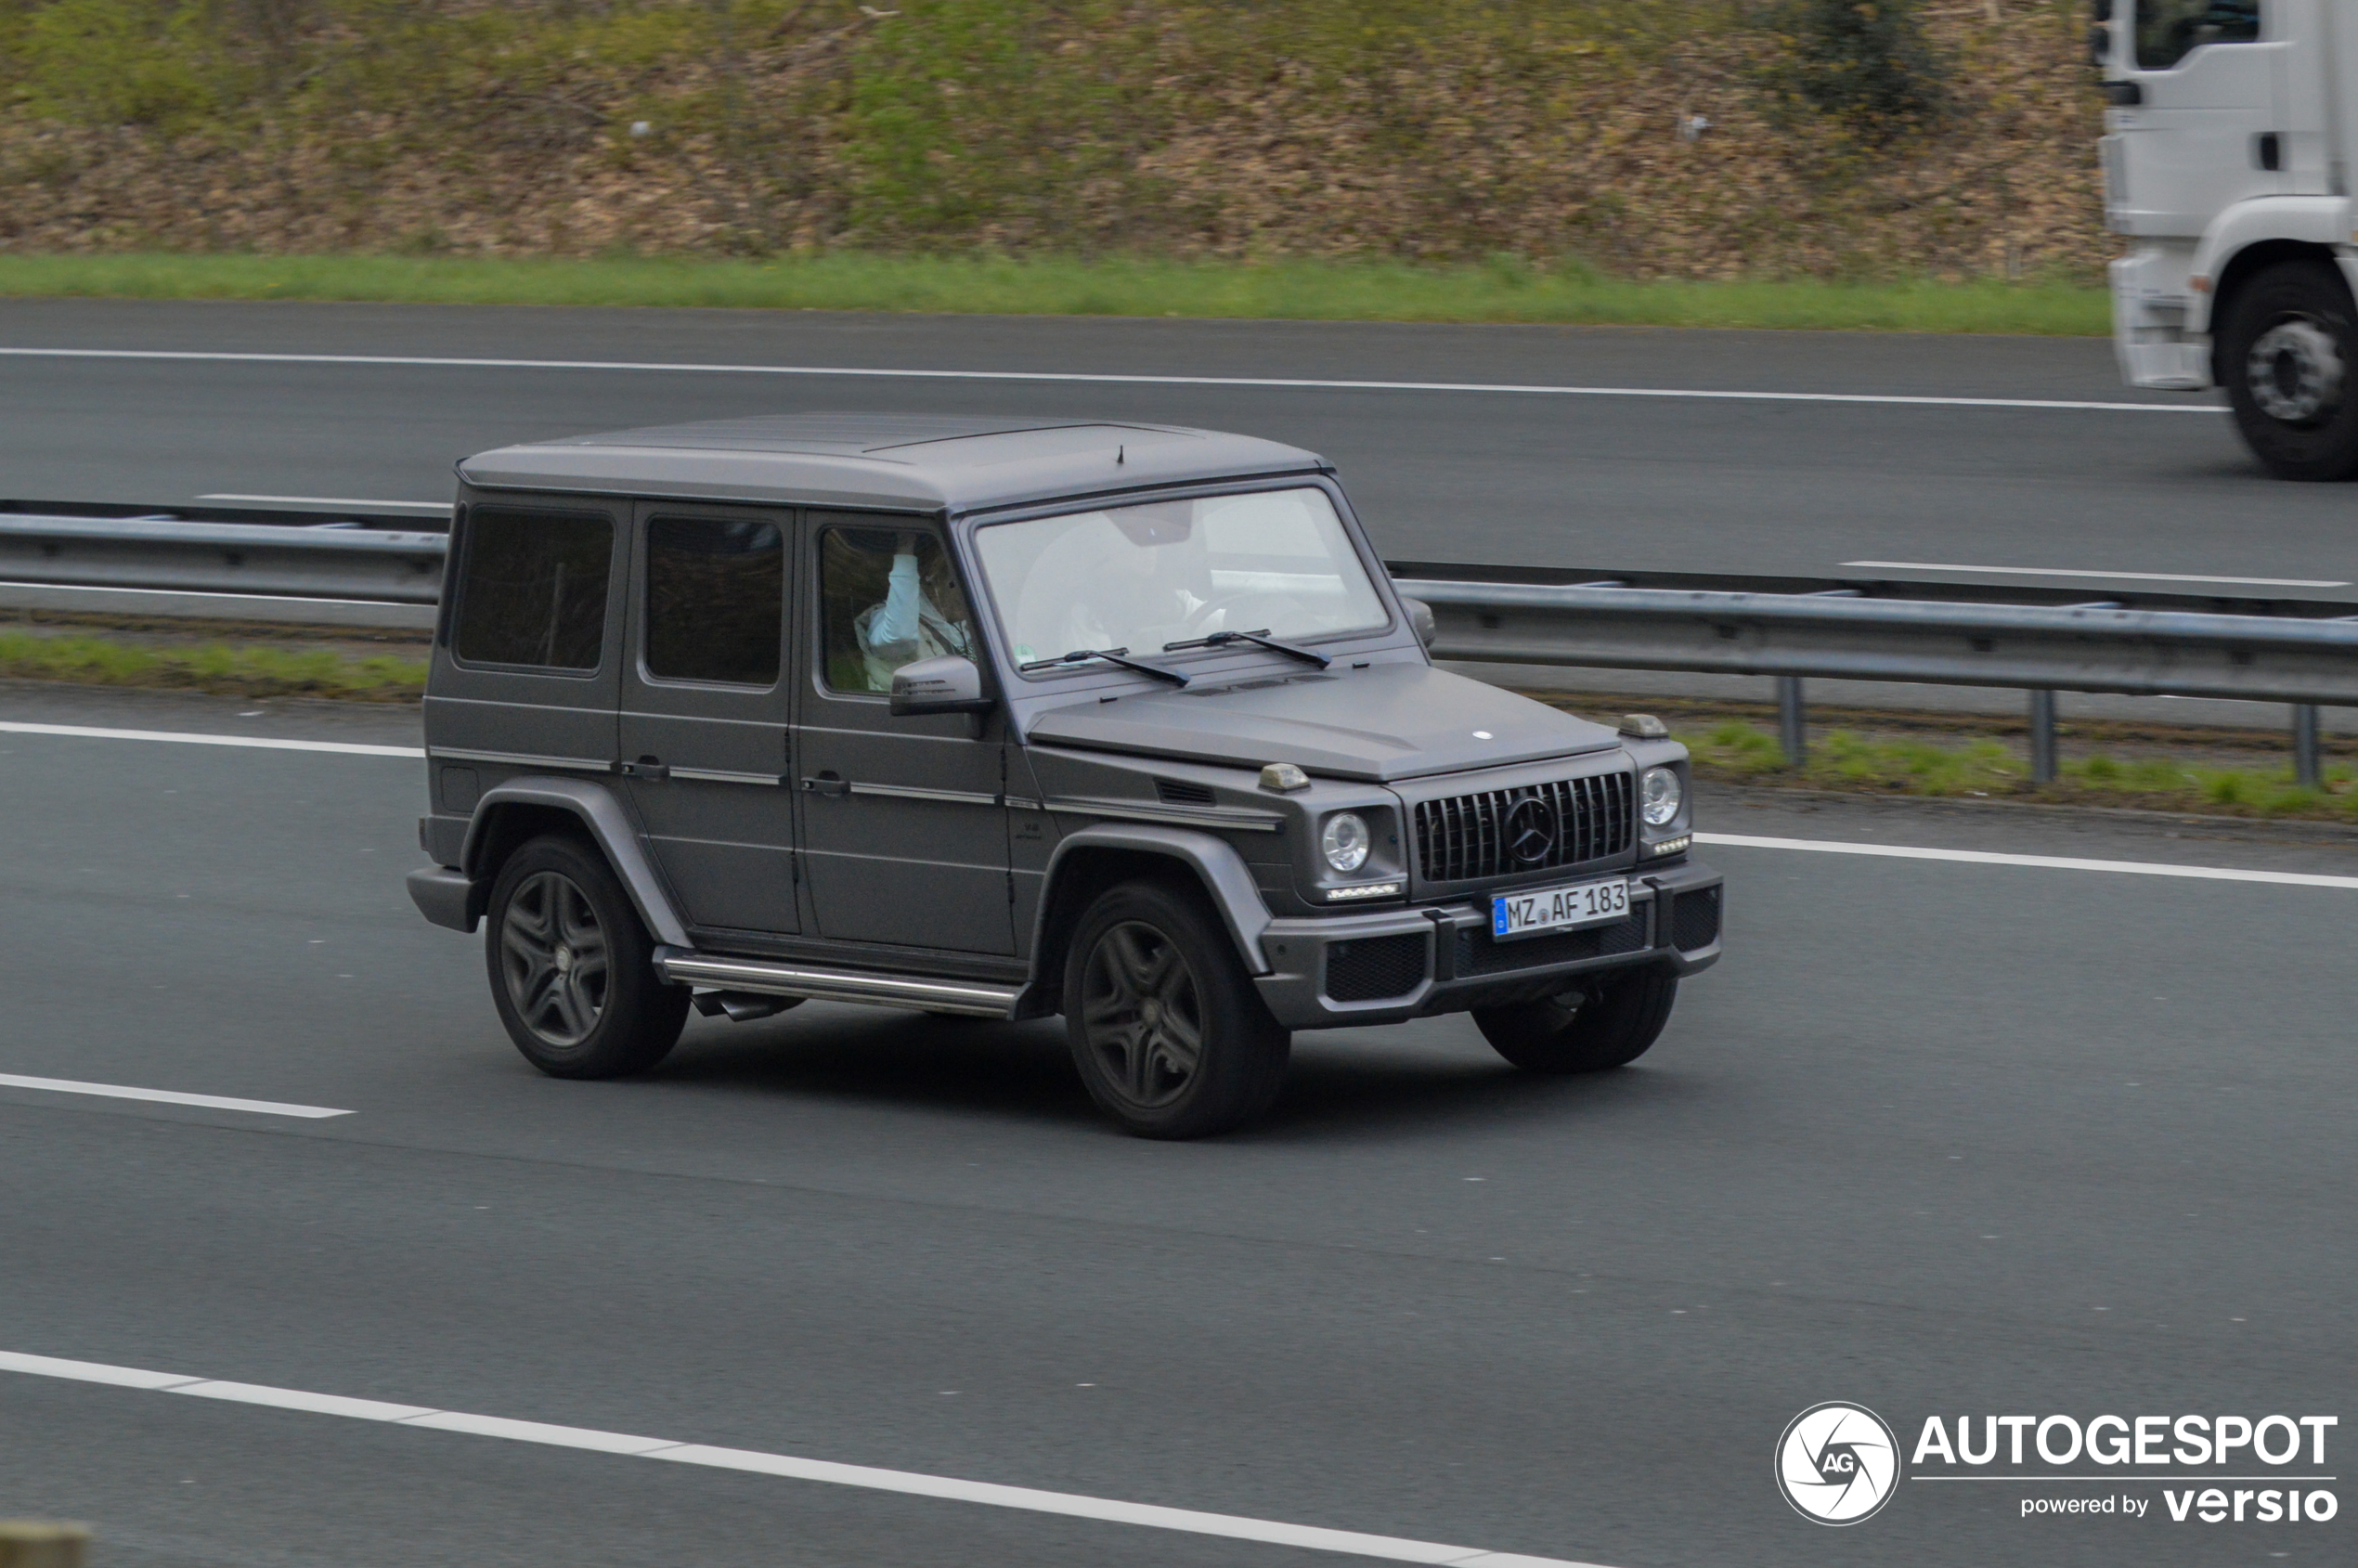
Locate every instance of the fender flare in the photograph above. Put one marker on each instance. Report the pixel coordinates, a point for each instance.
(2315, 220)
(596, 808)
(1215, 861)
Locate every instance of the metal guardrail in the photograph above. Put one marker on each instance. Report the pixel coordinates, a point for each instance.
(2294, 655)
(330, 561)
(2045, 649)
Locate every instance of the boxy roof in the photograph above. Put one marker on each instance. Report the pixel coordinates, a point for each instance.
(881, 460)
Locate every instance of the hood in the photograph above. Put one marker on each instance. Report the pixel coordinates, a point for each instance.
(1393, 722)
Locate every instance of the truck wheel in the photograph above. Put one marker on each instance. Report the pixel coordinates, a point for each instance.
(572, 969)
(2286, 353)
(1607, 1023)
(1166, 1029)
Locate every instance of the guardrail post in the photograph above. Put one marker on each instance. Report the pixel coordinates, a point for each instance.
(2305, 748)
(2042, 737)
(1792, 721)
(35, 1543)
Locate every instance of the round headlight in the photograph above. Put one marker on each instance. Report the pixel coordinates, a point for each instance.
(1344, 843)
(1660, 787)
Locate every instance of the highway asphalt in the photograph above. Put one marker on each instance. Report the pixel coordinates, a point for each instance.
(1702, 483)
(1937, 1137)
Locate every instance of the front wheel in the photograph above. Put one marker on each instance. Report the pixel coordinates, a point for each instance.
(573, 970)
(1606, 1021)
(2288, 351)
(1165, 1026)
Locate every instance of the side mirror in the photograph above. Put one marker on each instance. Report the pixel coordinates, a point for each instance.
(1419, 616)
(948, 684)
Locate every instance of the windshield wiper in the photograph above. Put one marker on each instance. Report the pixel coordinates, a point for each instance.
(1111, 656)
(1260, 639)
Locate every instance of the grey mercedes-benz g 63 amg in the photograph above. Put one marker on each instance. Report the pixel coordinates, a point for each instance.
(1014, 719)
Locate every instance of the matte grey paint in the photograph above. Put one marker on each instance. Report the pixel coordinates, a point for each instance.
(914, 842)
(904, 821)
(864, 459)
(952, 683)
(444, 896)
(1215, 861)
(1389, 721)
(706, 765)
(599, 812)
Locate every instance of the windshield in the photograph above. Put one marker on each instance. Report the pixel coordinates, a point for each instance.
(1140, 578)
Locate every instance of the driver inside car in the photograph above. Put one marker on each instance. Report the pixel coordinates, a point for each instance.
(908, 626)
(1135, 579)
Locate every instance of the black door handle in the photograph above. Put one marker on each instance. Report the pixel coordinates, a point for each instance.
(827, 783)
(652, 770)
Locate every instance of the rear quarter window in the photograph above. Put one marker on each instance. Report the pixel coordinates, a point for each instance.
(532, 589)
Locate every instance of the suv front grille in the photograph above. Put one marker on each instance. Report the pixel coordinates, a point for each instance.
(1465, 837)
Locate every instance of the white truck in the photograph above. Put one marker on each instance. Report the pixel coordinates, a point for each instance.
(2226, 158)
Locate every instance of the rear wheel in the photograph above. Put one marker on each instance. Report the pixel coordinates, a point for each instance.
(573, 970)
(1165, 1026)
(2286, 352)
(1605, 1021)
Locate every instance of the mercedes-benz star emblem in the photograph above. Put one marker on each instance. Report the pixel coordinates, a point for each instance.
(1530, 830)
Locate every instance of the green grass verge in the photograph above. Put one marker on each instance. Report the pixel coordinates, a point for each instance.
(248, 670)
(1285, 289)
(1845, 760)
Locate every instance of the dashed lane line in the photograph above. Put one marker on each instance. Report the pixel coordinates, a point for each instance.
(257, 743)
(1071, 1505)
(167, 1097)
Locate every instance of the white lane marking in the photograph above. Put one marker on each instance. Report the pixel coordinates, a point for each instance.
(167, 1096)
(2042, 862)
(330, 500)
(2136, 577)
(299, 1399)
(1284, 382)
(1979, 857)
(1392, 1548)
(258, 743)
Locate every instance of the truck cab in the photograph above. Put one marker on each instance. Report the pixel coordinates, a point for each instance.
(2226, 157)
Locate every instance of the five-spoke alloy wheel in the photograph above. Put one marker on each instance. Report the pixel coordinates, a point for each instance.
(572, 967)
(552, 954)
(1166, 1028)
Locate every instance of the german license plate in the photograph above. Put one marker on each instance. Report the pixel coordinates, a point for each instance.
(1556, 909)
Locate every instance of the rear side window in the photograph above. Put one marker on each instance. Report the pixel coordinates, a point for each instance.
(533, 590)
(2168, 31)
(716, 600)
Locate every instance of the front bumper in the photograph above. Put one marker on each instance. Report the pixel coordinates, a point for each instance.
(2158, 332)
(1329, 972)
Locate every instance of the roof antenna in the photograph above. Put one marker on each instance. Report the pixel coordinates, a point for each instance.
(1117, 453)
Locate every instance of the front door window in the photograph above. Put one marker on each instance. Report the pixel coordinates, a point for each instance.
(888, 597)
(904, 820)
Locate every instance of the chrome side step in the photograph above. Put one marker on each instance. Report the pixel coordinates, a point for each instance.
(770, 978)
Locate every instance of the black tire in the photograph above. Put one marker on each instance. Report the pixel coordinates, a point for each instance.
(2288, 356)
(1166, 1029)
(572, 969)
(1607, 1021)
